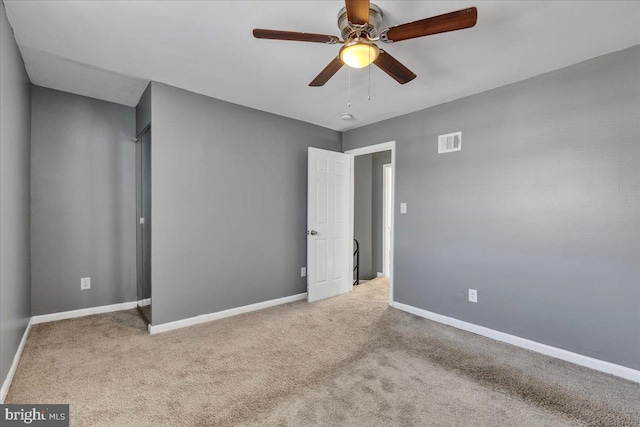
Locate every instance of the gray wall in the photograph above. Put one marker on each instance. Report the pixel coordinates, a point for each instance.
(15, 128)
(540, 211)
(377, 204)
(83, 201)
(362, 193)
(229, 188)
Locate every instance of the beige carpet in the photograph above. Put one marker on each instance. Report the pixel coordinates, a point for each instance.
(349, 361)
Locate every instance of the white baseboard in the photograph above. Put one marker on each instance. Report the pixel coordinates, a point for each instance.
(16, 359)
(164, 327)
(378, 274)
(44, 318)
(578, 359)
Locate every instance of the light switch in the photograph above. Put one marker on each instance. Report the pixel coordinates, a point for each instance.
(403, 208)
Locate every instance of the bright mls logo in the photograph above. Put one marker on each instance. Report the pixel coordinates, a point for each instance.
(34, 415)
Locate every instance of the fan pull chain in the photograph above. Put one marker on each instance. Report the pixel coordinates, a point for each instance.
(349, 88)
(369, 67)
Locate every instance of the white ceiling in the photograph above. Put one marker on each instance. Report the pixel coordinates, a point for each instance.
(110, 50)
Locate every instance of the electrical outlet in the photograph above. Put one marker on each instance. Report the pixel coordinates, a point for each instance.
(303, 272)
(473, 295)
(85, 283)
(403, 208)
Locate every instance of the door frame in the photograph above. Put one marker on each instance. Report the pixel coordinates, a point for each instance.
(370, 149)
(386, 205)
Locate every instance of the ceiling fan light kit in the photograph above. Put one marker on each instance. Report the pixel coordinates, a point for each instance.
(359, 23)
(359, 53)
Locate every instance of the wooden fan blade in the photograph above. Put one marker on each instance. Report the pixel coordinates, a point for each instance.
(395, 69)
(458, 20)
(328, 72)
(260, 33)
(358, 11)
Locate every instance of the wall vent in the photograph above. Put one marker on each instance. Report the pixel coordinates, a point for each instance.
(450, 142)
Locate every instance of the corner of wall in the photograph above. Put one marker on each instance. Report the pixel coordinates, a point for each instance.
(15, 202)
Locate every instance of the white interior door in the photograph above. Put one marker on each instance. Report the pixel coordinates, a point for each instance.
(387, 188)
(328, 245)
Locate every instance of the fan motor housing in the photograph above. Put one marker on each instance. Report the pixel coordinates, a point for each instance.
(370, 30)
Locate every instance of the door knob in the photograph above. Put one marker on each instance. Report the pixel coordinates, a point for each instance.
(312, 232)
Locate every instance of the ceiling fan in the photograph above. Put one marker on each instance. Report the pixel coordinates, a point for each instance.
(359, 23)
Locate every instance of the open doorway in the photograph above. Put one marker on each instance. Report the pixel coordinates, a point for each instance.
(371, 214)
